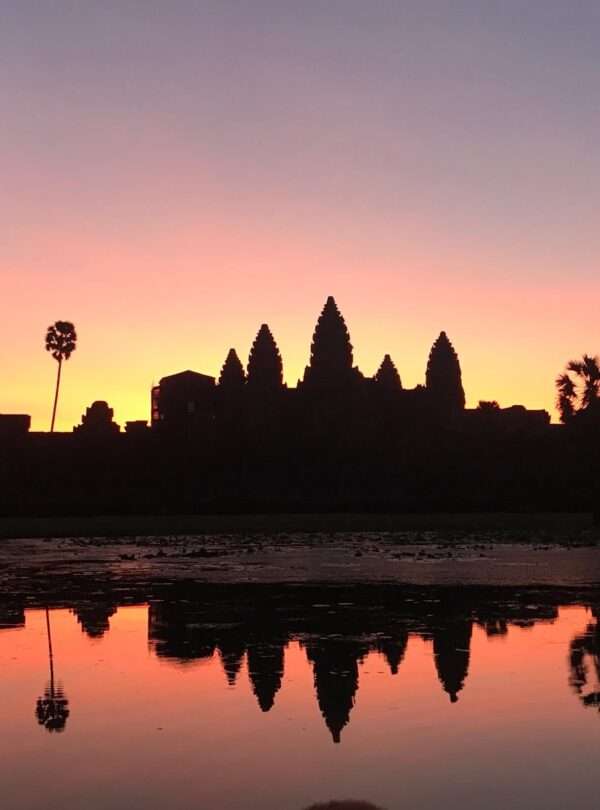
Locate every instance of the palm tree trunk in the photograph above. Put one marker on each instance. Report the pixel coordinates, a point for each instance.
(50, 653)
(56, 396)
(596, 491)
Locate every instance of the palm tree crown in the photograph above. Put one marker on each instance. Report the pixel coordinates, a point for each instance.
(578, 387)
(61, 340)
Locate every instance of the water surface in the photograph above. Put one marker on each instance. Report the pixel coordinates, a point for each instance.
(437, 700)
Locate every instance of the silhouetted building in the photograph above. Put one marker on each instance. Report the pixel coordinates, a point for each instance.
(98, 420)
(490, 417)
(333, 402)
(137, 427)
(337, 441)
(184, 403)
(14, 426)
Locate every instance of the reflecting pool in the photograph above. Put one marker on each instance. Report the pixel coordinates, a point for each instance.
(278, 698)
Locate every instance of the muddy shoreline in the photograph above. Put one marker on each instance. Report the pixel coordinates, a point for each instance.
(457, 558)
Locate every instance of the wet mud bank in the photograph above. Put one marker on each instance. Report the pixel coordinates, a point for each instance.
(352, 560)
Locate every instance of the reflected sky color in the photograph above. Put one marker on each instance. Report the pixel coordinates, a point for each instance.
(175, 175)
(147, 732)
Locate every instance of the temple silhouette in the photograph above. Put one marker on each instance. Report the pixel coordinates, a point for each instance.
(333, 395)
(337, 441)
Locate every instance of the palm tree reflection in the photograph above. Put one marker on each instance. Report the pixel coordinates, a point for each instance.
(584, 660)
(52, 709)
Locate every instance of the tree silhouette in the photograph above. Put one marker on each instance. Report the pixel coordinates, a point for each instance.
(265, 369)
(61, 342)
(387, 375)
(232, 377)
(52, 709)
(578, 402)
(331, 351)
(578, 387)
(585, 650)
(443, 376)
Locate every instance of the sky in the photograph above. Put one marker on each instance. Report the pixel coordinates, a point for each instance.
(175, 174)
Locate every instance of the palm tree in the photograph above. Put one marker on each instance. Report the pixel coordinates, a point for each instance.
(61, 342)
(52, 710)
(585, 656)
(578, 387)
(578, 402)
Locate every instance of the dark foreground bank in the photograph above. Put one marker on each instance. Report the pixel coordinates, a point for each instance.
(562, 525)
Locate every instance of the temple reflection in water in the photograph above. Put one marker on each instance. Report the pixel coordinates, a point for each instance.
(251, 629)
(182, 632)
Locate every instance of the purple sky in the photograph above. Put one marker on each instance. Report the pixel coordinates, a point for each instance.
(237, 162)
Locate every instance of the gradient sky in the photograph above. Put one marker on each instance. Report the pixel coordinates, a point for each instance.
(174, 174)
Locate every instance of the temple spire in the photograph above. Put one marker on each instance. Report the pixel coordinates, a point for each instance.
(232, 375)
(265, 368)
(387, 375)
(331, 356)
(443, 378)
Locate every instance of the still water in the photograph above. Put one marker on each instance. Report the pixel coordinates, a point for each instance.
(457, 703)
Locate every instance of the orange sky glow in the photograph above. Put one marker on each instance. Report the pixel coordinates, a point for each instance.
(173, 180)
(183, 300)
